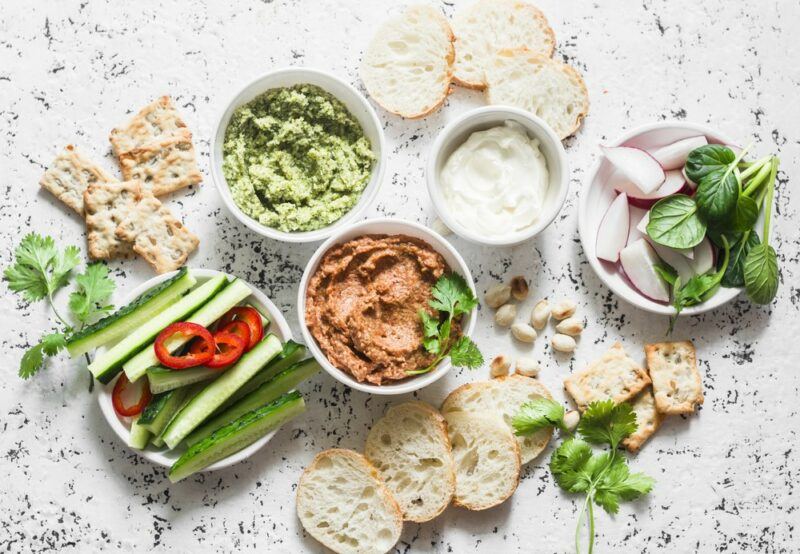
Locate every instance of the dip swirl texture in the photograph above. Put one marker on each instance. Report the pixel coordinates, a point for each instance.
(295, 159)
(363, 303)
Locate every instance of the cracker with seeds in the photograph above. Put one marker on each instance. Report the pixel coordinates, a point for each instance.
(163, 166)
(156, 235)
(154, 122)
(648, 420)
(105, 205)
(677, 386)
(615, 375)
(70, 174)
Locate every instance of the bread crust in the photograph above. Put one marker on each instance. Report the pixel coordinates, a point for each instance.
(440, 425)
(359, 459)
(666, 380)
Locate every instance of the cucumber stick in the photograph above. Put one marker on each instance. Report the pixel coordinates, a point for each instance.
(126, 319)
(231, 295)
(107, 365)
(237, 435)
(139, 435)
(266, 393)
(291, 354)
(219, 390)
(163, 379)
(161, 409)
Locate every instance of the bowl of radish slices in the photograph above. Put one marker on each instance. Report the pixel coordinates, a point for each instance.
(647, 165)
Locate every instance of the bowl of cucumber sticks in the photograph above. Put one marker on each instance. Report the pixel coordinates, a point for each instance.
(197, 370)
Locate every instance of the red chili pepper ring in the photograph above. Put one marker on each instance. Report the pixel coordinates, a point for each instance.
(195, 356)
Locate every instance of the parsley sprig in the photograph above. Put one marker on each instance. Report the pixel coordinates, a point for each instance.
(604, 477)
(452, 298)
(38, 272)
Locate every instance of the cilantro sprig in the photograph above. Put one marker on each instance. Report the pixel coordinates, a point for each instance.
(38, 272)
(452, 298)
(603, 477)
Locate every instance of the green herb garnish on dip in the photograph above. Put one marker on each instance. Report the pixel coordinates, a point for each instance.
(296, 159)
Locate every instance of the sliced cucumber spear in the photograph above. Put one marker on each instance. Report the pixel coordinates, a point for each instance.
(139, 435)
(231, 295)
(291, 354)
(237, 435)
(163, 379)
(106, 366)
(266, 393)
(132, 316)
(161, 409)
(219, 390)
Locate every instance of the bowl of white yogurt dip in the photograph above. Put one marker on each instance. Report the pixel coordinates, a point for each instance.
(497, 175)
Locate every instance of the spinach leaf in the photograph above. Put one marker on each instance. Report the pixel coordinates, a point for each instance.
(745, 214)
(734, 275)
(674, 222)
(761, 273)
(717, 194)
(705, 159)
(700, 288)
(667, 273)
(715, 235)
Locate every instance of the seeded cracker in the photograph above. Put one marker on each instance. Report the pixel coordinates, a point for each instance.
(106, 204)
(648, 420)
(154, 122)
(70, 174)
(157, 236)
(614, 375)
(677, 386)
(163, 166)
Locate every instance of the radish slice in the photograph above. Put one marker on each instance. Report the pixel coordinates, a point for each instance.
(638, 261)
(703, 257)
(613, 232)
(637, 215)
(674, 183)
(642, 228)
(689, 183)
(673, 156)
(679, 263)
(637, 165)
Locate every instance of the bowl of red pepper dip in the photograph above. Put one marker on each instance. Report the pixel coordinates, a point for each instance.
(360, 298)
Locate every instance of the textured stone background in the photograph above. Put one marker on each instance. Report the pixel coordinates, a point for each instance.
(70, 71)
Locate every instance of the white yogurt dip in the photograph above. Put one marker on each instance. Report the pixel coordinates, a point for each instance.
(494, 184)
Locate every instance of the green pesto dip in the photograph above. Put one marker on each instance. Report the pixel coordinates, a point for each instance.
(295, 159)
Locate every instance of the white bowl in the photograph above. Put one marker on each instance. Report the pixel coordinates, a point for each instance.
(384, 226)
(355, 103)
(480, 119)
(121, 425)
(597, 195)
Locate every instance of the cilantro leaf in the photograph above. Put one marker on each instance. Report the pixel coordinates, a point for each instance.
(536, 415)
(618, 483)
(39, 268)
(94, 288)
(568, 463)
(33, 359)
(465, 353)
(451, 294)
(604, 422)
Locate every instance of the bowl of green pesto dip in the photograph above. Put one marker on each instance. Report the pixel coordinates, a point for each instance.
(297, 154)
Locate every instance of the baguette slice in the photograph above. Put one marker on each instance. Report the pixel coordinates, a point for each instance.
(408, 66)
(502, 396)
(410, 447)
(492, 25)
(549, 89)
(487, 459)
(344, 504)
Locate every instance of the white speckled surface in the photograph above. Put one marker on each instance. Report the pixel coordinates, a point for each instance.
(70, 71)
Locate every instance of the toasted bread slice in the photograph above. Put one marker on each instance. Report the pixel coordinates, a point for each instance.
(677, 386)
(492, 25)
(648, 420)
(549, 89)
(614, 376)
(344, 504)
(503, 396)
(410, 448)
(408, 66)
(486, 457)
